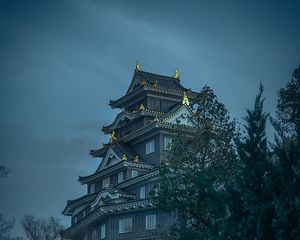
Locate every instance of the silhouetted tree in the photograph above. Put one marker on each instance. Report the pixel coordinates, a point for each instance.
(6, 227)
(286, 174)
(3, 171)
(255, 208)
(41, 229)
(192, 179)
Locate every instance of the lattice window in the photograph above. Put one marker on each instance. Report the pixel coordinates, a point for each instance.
(142, 192)
(125, 225)
(150, 147)
(167, 143)
(120, 177)
(102, 231)
(151, 222)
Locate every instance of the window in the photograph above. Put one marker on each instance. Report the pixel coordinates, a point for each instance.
(142, 192)
(125, 225)
(134, 173)
(92, 188)
(120, 177)
(105, 182)
(167, 143)
(150, 147)
(102, 231)
(151, 222)
(94, 234)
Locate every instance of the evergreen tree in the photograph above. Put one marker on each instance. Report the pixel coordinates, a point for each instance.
(286, 174)
(192, 179)
(254, 185)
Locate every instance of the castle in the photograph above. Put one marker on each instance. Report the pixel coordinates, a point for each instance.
(118, 202)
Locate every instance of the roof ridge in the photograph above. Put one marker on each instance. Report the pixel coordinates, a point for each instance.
(158, 75)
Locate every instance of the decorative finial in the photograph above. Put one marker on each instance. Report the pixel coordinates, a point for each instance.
(142, 107)
(136, 159)
(112, 137)
(156, 119)
(155, 84)
(144, 82)
(124, 158)
(176, 74)
(185, 99)
(137, 66)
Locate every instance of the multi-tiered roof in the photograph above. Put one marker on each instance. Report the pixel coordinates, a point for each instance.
(151, 107)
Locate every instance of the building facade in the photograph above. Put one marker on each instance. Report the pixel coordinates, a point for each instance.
(118, 202)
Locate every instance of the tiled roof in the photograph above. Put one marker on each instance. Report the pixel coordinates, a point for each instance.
(130, 115)
(176, 108)
(118, 147)
(103, 211)
(145, 81)
(117, 166)
(121, 148)
(77, 202)
(152, 78)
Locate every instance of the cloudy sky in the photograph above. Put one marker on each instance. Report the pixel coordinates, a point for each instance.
(61, 62)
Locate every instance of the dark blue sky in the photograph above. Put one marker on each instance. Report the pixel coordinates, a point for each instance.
(61, 62)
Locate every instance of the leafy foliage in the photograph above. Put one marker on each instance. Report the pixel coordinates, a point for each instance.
(287, 156)
(288, 107)
(193, 177)
(254, 188)
(218, 195)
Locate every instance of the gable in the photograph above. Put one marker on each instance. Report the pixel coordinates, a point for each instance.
(106, 196)
(122, 118)
(182, 116)
(111, 158)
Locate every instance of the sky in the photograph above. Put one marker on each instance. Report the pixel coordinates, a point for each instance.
(62, 61)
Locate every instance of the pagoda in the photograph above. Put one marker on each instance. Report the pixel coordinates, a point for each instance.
(118, 202)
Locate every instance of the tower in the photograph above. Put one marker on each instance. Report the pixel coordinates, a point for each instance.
(118, 202)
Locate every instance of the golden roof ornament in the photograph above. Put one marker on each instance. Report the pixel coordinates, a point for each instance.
(144, 82)
(112, 137)
(142, 107)
(155, 84)
(176, 74)
(185, 99)
(137, 66)
(124, 158)
(136, 159)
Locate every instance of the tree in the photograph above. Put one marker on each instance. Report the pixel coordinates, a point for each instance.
(6, 227)
(41, 229)
(3, 171)
(254, 188)
(287, 158)
(192, 179)
(288, 107)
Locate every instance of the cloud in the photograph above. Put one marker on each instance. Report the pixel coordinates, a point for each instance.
(44, 170)
(62, 61)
